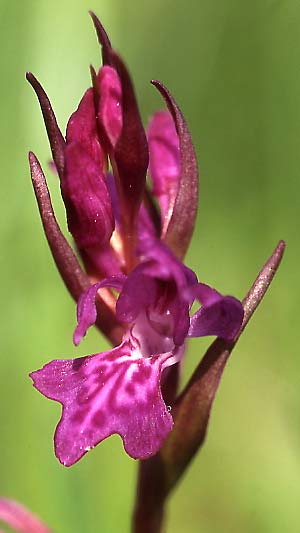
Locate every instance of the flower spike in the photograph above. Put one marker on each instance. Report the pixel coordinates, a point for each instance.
(132, 249)
(178, 233)
(132, 242)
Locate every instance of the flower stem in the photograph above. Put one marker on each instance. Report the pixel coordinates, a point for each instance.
(150, 497)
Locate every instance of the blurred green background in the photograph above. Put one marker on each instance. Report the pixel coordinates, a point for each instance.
(234, 68)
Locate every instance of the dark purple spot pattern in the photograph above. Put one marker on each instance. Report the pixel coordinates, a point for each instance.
(126, 399)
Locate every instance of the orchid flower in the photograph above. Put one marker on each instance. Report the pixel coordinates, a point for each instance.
(131, 201)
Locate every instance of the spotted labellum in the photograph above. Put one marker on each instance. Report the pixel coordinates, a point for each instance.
(131, 201)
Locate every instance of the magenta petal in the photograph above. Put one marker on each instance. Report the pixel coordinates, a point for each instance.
(148, 223)
(19, 518)
(138, 294)
(219, 315)
(86, 307)
(164, 163)
(110, 108)
(101, 262)
(158, 284)
(180, 313)
(111, 392)
(204, 293)
(178, 233)
(87, 199)
(161, 263)
(82, 129)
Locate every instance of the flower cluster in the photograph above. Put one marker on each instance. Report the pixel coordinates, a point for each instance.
(131, 201)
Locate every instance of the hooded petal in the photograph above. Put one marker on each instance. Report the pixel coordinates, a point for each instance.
(177, 234)
(110, 103)
(87, 200)
(158, 285)
(101, 261)
(111, 392)
(139, 293)
(85, 191)
(164, 163)
(82, 129)
(219, 315)
(160, 262)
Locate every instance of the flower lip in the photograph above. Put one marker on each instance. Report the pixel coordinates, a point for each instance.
(92, 411)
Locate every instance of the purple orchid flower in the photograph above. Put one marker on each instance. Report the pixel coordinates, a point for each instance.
(131, 242)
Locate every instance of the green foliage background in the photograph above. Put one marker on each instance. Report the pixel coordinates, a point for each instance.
(234, 68)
